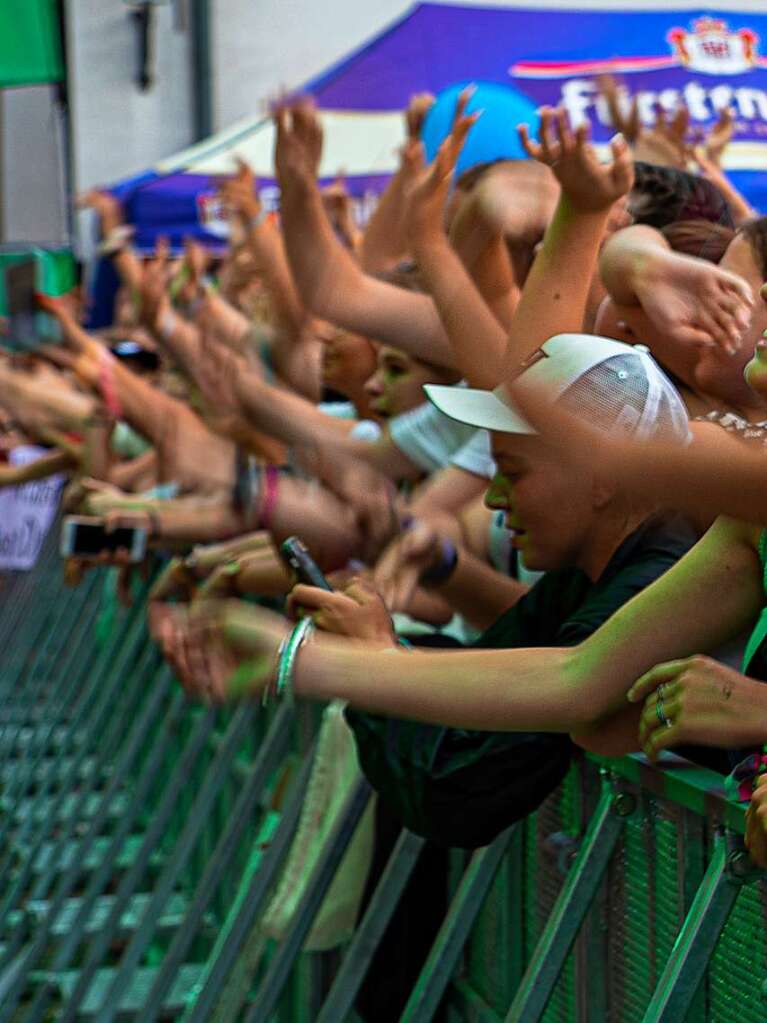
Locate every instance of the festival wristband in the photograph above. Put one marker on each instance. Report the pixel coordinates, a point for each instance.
(271, 484)
(441, 572)
(107, 386)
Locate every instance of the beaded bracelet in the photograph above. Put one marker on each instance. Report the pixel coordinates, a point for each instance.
(282, 687)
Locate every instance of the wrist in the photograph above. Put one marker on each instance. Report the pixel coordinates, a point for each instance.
(255, 218)
(427, 242)
(571, 208)
(443, 566)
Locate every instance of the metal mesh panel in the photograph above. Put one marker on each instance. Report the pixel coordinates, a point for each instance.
(488, 948)
(739, 964)
(557, 819)
(644, 909)
(547, 843)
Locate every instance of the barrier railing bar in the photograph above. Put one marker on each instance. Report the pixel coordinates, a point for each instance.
(682, 782)
(570, 908)
(272, 749)
(196, 819)
(99, 944)
(272, 984)
(101, 705)
(448, 945)
(370, 929)
(237, 927)
(98, 881)
(696, 940)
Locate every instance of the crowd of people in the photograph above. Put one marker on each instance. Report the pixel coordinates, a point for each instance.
(517, 418)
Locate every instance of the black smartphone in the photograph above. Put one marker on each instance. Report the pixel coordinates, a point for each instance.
(28, 326)
(86, 537)
(302, 564)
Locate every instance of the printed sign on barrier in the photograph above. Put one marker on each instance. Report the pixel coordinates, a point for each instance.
(26, 513)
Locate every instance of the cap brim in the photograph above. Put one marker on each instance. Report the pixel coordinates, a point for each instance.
(483, 409)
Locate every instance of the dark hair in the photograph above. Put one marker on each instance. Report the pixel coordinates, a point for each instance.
(661, 195)
(701, 238)
(469, 178)
(755, 232)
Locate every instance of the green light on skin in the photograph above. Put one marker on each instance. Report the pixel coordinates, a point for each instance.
(244, 678)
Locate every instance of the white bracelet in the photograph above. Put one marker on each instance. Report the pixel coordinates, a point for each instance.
(168, 324)
(260, 218)
(115, 241)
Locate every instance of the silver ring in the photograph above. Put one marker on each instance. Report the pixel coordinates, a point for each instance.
(661, 713)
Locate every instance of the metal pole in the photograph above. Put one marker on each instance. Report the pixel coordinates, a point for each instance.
(571, 906)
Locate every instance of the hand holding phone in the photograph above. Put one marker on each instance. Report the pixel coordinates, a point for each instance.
(86, 537)
(298, 559)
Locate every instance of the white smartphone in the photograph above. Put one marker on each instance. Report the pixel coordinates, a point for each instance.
(85, 537)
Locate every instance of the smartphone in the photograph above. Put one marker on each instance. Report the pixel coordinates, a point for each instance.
(28, 326)
(134, 355)
(302, 564)
(86, 537)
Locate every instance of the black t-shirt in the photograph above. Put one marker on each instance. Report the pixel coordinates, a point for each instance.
(461, 787)
(565, 607)
(560, 610)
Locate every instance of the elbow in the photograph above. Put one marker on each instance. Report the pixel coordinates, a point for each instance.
(589, 700)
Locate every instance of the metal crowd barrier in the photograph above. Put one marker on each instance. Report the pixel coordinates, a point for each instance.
(141, 838)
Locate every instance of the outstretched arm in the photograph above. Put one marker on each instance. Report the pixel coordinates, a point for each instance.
(553, 690)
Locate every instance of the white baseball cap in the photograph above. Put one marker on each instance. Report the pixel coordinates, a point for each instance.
(614, 386)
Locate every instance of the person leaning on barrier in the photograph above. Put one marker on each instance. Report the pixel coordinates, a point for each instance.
(596, 548)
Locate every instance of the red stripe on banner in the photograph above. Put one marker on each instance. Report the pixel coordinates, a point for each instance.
(559, 69)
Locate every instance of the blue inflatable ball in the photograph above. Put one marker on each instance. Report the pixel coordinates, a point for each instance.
(494, 136)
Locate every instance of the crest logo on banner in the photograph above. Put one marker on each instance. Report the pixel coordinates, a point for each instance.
(713, 49)
(709, 47)
(212, 215)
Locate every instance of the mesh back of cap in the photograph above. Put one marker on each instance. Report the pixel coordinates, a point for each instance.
(628, 393)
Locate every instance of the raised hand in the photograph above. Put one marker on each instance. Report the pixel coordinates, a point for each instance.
(408, 556)
(695, 302)
(240, 192)
(298, 141)
(716, 140)
(424, 215)
(590, 186)
(666, 143)
(340, 210)
(222, 649)
(105, 205)
(415, 114)
(623, 108)
(154, 284)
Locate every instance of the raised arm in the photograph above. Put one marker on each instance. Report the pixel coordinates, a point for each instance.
(328, 278)
(384, 242)
(115, 235)
(471, 327)
(691, 300)
(556, 292)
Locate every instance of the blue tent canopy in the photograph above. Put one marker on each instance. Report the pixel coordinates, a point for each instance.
(545, 56)
(550, 57)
